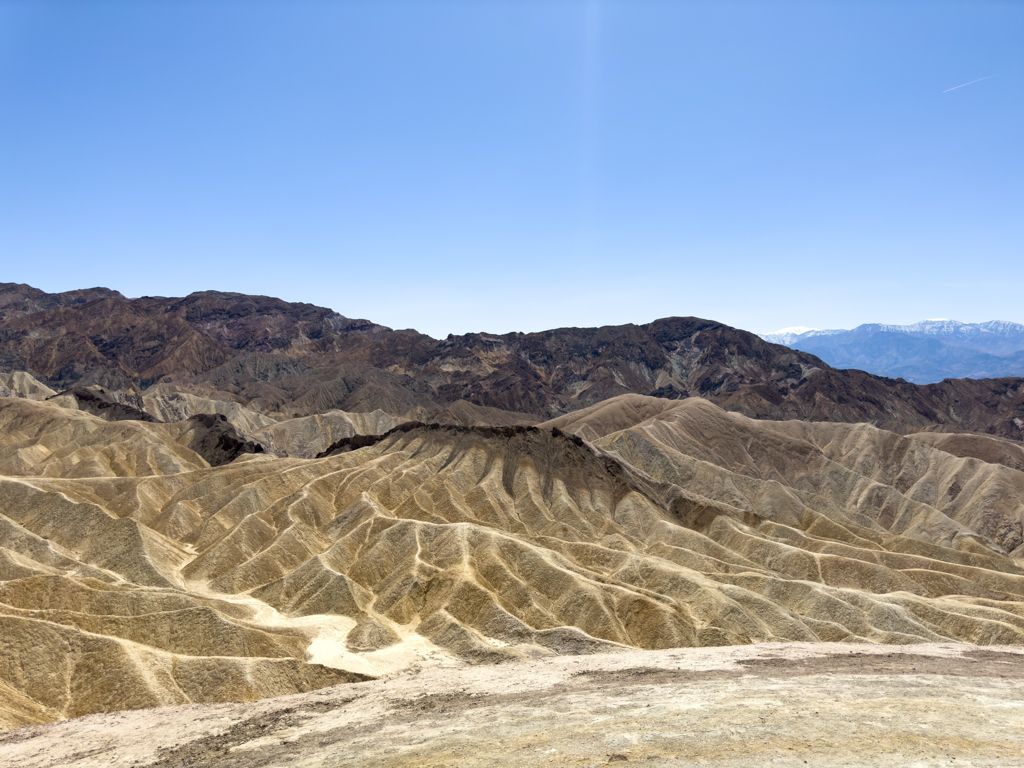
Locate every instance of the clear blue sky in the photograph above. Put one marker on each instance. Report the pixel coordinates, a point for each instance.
(465, 166)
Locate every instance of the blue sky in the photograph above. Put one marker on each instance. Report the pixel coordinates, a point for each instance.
(467, 166)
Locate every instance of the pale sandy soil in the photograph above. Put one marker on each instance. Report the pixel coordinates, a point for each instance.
(784, 704)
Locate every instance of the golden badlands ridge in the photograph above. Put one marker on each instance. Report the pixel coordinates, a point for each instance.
(133, 574)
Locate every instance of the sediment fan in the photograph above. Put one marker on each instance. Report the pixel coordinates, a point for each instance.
(134, 573)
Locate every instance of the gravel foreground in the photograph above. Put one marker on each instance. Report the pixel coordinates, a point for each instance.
(784, 704)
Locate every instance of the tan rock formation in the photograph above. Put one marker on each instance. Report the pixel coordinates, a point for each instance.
(133, 574)
(22, 384)
(307, 436)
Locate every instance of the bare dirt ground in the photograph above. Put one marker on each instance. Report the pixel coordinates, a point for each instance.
(783, 704)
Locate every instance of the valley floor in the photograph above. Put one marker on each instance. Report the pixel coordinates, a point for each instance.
(784, 704)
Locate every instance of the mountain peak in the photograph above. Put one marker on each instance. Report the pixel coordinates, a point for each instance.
(787, 335)
(797, 329)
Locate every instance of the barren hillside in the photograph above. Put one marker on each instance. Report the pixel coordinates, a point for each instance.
(135, 574)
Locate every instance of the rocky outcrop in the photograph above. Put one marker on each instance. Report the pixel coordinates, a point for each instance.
(110, 406)
(214, 438)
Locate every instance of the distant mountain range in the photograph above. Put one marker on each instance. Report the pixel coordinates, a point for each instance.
(283, 360)
(923, 353)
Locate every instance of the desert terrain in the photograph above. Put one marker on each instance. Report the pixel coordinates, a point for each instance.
(134, 574)
(204, 557)
(785, 704)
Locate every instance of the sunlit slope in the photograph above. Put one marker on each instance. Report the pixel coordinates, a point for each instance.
(968, 496)
(167, 404)
(307, 436)
(21, 384)
(133, 574)
(48, 440)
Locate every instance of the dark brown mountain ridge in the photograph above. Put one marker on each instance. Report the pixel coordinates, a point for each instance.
(294, 358)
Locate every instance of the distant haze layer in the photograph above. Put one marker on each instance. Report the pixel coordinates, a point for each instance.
(923, 353)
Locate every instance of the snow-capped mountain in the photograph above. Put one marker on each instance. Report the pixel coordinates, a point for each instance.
(787, 335)
(924, 352)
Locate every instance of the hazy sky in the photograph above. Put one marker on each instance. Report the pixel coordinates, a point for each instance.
(466, 166)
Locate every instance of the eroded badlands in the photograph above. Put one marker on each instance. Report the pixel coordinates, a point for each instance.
(134, 574)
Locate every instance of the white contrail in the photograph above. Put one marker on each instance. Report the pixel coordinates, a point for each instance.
(970, 83)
